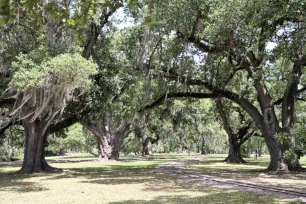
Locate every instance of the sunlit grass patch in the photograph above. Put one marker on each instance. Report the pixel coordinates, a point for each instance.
(253, 171)
(130, 180)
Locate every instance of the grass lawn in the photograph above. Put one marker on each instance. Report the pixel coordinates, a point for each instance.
(254, 171)
(130, 180)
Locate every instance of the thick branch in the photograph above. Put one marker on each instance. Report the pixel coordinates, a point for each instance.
(241, 101)
(246, 137)
(63, 124)
(162, 98)
(289, 98)
(201, 45)
(95, 30)
(224, 119)
(279, 101)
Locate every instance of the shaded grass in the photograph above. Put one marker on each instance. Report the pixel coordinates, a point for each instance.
(130, 180)
(254, 171)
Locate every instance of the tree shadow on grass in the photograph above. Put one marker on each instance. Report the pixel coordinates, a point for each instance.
(104, 171)
(12, 182)
(119, 181)
(223, 197)
(51, 161)
(21, 186)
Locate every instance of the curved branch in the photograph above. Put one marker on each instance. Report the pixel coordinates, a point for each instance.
(246, 137)
(241, 101)
(95, 30)
(63, 124)
(162, 98)
(279, 101)
(201, 45)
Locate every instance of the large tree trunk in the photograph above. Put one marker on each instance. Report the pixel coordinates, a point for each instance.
(235, 140)
(101, 128)
(145, 147)
(140, 135)
(34, 158)
(109, 141)
(288, 111)
(118, 139)
(104, 148)
(274, 147)
(116, 146)
(234, 154)
(203, 151)
(293, 164)
(276, 154)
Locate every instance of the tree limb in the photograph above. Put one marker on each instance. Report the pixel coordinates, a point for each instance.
(279, 101)
(241, 101)
(95, 30)
(63, 124)
(162, 98)
(223, 117)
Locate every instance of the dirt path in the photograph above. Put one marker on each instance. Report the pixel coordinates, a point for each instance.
(177, 169)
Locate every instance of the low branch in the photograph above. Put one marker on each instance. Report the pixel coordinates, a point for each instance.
(95, 30)
(241, 101)
(242, 132)
(279, 101)
(246, 137)
(63, 124)
(201, 45)
(164, 97)
(225, 121)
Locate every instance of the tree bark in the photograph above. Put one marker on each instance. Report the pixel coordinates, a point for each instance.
(234, 154)
(288, 110)
(117, 141)
(34, 158)
(101, 129)
(139, 133)
(104, 148)
(269, 132)
(118, 137)
(276, 161)
(234, 140)
(109, 140)
(145, 147)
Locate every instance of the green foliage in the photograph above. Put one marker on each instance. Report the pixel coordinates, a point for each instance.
(12, 144)
(299, 152)
(78, 12)
(8, 153)
(75, 139)
(130, 145)
(70, 71)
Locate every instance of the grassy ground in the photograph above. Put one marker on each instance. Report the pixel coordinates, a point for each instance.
(254, 171)
(130, 180)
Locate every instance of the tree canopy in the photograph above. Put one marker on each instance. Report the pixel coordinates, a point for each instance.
(64, 62)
